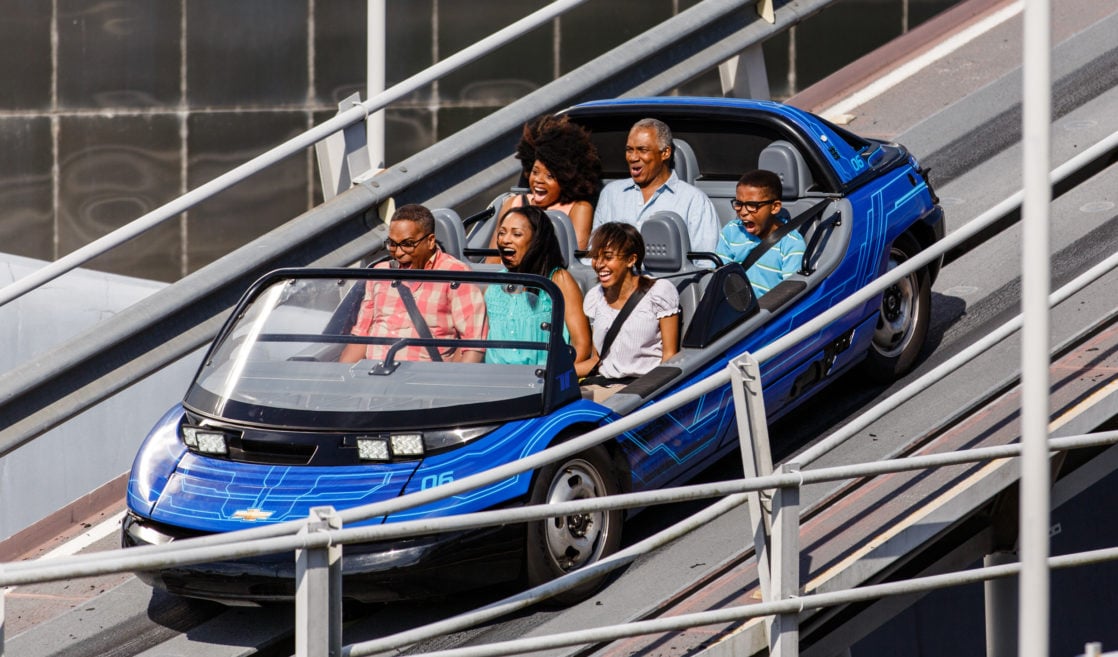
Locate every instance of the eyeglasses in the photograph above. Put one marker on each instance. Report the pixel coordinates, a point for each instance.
(750, 206)
(406, 245)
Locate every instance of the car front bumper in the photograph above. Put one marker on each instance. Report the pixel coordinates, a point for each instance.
(421, 567)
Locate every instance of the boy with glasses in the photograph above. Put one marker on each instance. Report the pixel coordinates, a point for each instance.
(445, 311)
(757, 205)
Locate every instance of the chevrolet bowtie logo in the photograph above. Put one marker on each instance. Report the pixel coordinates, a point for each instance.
(252, 514)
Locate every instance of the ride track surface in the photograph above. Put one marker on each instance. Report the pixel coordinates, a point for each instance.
(149, 619)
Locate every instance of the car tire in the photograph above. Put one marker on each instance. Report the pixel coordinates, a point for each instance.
(902, 324)
(560, 545)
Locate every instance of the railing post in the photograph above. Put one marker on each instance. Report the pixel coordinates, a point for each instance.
(744, 75)
(318, 582)
(3, 594)
(756, 458)
(1001, 608)
(343, 155)
(784, 635)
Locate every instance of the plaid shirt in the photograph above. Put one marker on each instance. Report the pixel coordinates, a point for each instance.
(450, 312)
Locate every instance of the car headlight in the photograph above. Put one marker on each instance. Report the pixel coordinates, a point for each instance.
(411, 445)
(204, 440)
(372, 449)
(384, 448)
(407, 444)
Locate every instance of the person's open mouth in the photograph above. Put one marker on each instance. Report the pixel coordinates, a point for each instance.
(538, 197)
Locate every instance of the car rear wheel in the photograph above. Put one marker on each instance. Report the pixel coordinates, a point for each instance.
(902, 324)
(562, 544)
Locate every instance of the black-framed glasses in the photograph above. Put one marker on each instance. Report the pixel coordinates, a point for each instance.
(406, 245)
(750, 206)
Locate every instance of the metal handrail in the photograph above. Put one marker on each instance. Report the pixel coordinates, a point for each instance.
(750, 611)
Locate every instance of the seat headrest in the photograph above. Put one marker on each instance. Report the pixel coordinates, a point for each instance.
(785, 160)
(666, 243)
(685, 163)
(565, 233)
(449, 231)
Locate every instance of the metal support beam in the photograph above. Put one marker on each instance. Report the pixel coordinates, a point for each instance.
(765, 10)
(1001, 608)
(1034, 599)
(318, 582)
(756, 457)
(376, 52)
(784, 636)
(744, 75)
(343, 155)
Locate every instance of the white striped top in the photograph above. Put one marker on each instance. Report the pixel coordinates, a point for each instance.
(638, 347)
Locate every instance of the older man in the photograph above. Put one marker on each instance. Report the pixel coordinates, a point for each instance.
(654, 186)
(448, 311)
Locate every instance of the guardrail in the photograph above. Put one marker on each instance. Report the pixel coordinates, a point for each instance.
(316, 540)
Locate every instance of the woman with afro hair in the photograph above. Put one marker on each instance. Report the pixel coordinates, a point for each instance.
(563, 172)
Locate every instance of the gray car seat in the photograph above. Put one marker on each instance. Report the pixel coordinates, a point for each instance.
(685, 162)
(568, 244)
(666, 244)
(784, 159)
(449, 232)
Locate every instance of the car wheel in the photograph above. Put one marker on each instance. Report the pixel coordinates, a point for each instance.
(562, 544)
(902, 324)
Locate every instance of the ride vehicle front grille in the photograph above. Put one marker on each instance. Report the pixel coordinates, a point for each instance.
(270, 452)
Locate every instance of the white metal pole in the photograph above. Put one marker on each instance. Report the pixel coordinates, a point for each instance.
(784, 635)
(376, 52)
(1033, 601)
(318, 590)
(756, 458)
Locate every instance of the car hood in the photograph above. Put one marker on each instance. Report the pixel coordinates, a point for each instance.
(210, 495)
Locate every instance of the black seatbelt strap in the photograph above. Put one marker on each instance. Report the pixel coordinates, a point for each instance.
(615, 327)
(778, 234)
(417, 319)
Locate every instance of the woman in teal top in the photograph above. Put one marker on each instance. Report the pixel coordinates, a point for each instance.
(528, 245)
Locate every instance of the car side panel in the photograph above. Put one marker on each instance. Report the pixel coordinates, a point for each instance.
(512, 441)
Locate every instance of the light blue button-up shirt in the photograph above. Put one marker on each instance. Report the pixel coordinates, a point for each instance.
(622, 200)
(778, 263)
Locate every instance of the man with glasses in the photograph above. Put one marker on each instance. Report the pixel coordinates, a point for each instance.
(653, 186)
(757, 205)
(424, 309)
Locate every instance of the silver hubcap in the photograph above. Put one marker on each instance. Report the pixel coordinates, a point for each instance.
(576, 540)
(897, 319)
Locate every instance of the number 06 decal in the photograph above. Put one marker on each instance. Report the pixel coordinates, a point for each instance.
(430, 481)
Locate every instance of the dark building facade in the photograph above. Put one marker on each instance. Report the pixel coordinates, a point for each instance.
(111, 108)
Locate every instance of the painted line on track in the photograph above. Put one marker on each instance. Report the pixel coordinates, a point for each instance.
(914, 66)
(71, 547)
(92, 535)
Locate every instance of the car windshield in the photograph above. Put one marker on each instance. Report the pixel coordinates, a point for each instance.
(384, 348)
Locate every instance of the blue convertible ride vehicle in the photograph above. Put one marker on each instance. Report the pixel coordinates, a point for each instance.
(273, 424)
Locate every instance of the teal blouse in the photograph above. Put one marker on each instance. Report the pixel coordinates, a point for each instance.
(519, 314)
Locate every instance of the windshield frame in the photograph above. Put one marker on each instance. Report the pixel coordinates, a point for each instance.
(559, 383)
